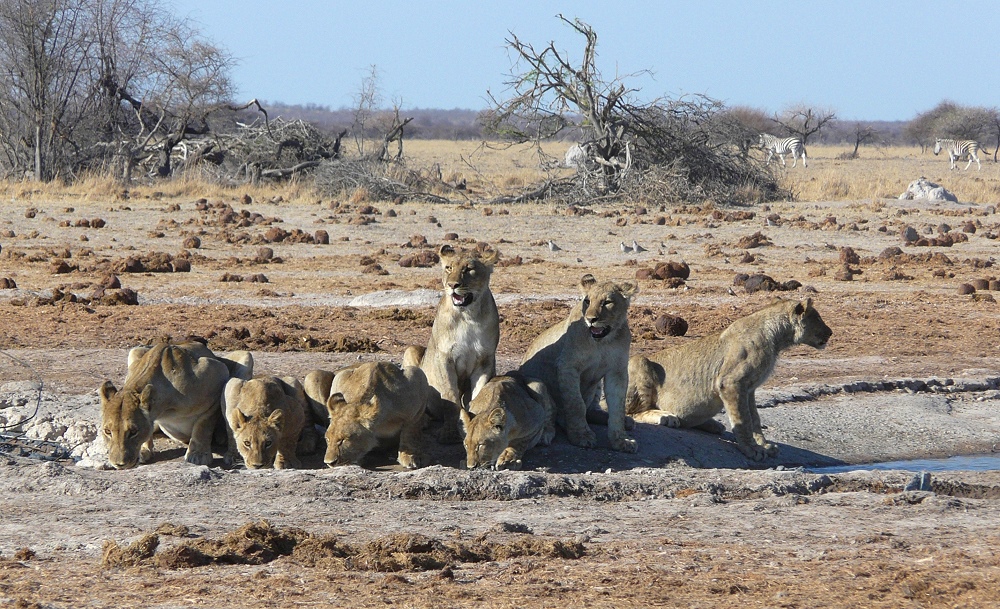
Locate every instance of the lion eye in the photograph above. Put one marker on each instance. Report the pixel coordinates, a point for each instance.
(586, 303)
(268, 443)
(107, 431)
(246, 443)
(132, 433)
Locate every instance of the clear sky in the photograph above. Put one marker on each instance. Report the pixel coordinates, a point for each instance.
(875, 59)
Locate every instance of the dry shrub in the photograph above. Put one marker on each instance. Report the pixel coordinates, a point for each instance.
(258, 543)
(359, 195)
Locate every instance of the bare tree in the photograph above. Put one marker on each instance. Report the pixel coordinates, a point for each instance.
(44, 57)
(367, 102)
(804, 121)
(672, 148)
(862, 133)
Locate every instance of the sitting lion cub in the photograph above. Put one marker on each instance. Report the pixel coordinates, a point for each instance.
(574, 356)
(510, 416)
(266, 416)
(176, 388)
(686, 386)
(373, 403)
(461, 354)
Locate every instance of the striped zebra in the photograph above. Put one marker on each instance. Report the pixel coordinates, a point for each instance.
(957, 149)
(781, 146)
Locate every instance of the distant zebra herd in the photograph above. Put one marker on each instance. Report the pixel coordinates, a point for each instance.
(578, 154)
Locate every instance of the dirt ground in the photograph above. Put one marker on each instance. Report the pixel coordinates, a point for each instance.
(685, 522)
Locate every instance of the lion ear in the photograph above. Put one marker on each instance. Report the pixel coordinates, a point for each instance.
(490, 257)
(446, 251)
(146, 397)
(238, 419)
(107, 391)
(586, 281)
(628, 289)
(799, 308)
(335, 402)
(498, 418)
(466, 422)
(276, 419)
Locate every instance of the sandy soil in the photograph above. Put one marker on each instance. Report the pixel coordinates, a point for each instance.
(687, 521)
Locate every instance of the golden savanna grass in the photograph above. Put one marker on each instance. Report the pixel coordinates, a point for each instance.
(494, 169)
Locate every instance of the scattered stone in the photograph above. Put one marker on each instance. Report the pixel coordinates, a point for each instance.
(890, 252)
(671, 325)
(322, 237)
(450, 237)
(6, 283)
(192, 243)
(31, 212)
(757, 239)
(181, 265)
(849, 256)
(264, 254)
(981, 284)
(966, 289)
(983, 297)
(275, 234)
(423, 259)
(994, 285)
(760, 283)
(910, 234)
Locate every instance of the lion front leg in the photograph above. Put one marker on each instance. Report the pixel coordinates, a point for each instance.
(286, 458)
(410, 443)
(734, 399)
(615, 386)
(199, 449)
(657, 417)
(770, 449)
(573, 410)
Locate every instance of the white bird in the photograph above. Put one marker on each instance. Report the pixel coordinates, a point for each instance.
(553, 247)
(636, 247)
(625, 249)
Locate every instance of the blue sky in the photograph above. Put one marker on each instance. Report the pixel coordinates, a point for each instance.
(878, 60)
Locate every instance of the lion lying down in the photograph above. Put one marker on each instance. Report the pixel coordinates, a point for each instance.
(687, 386)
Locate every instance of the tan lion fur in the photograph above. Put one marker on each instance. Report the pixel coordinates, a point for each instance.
(461, 354)
(511, 415)
(376, 403)
(687, 386)
(575, 357)
(176, 388)
(266, 416)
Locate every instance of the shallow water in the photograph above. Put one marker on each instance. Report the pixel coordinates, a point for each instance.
(961, 462)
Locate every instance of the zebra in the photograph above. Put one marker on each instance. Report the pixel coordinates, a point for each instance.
(782, 146)
(959, 148)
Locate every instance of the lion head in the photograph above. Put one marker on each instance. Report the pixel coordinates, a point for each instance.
(125, 424)
(485, 435)
(257, 437)
(466, 273)
(605, 305)
(809, 326)
(348, 439)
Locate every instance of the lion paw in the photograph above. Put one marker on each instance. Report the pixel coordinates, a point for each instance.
(669, 420)
(145, 455)
(757, 452)
(408, 460)
(584, 437)
(508, 460)
(198, 458)
(624, 444)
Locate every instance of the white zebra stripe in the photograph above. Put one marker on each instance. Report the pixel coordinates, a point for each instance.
(957, 149)
(782, 146)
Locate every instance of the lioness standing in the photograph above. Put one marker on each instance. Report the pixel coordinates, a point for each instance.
(687, 386)
(461, 354)
(176, 388)
(576, 355)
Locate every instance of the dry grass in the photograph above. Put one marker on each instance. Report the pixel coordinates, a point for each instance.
(884, 173)
(878, 173)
